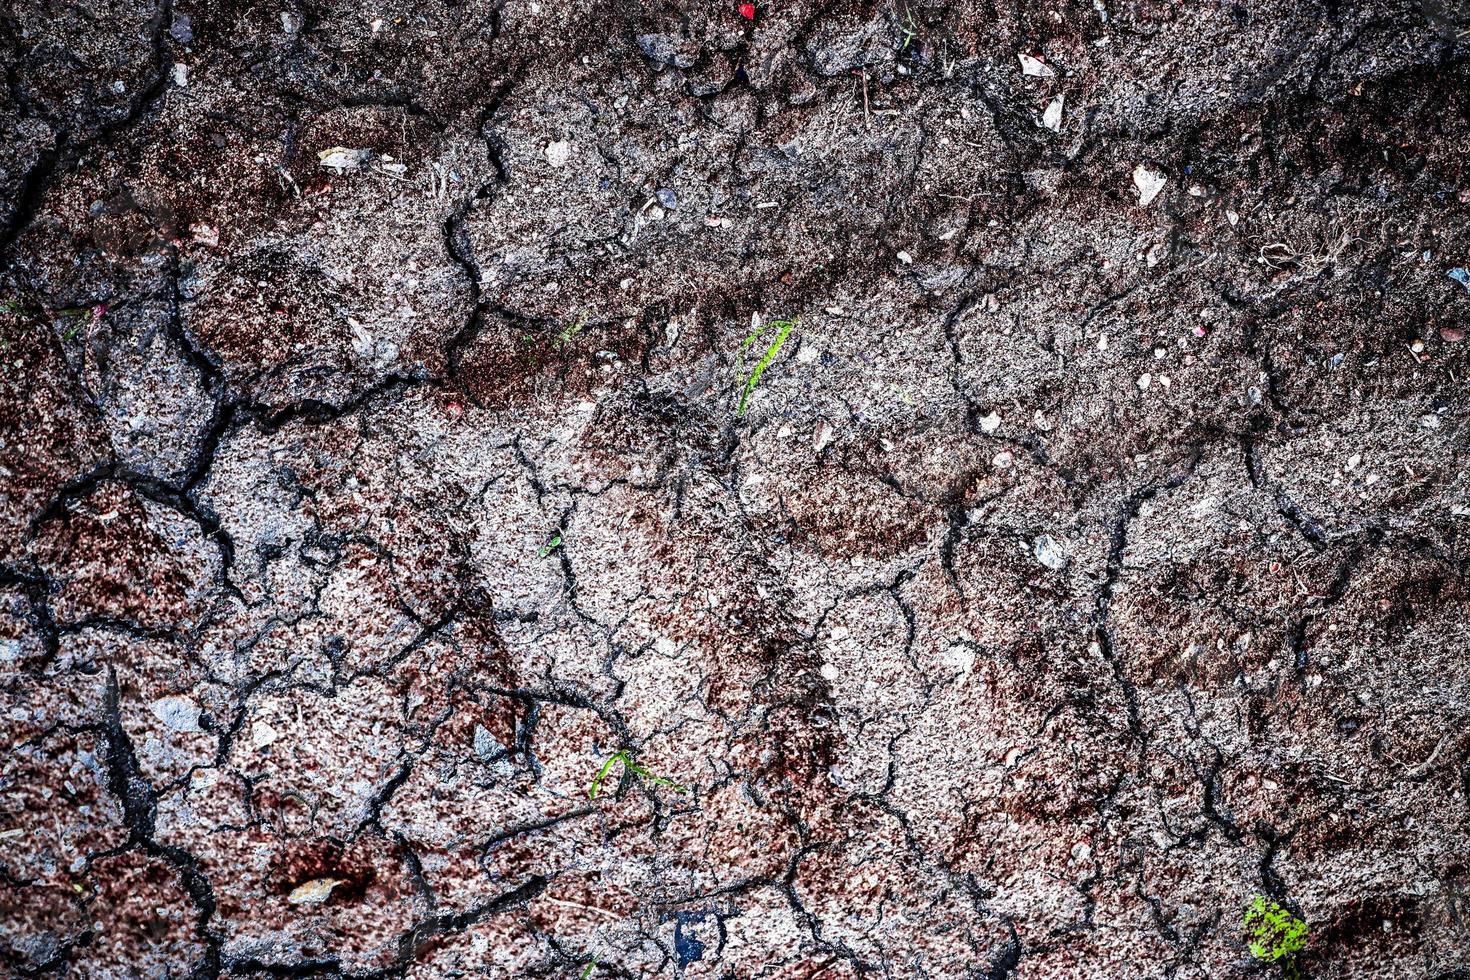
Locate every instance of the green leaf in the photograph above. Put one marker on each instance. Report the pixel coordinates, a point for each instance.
(630, 766)
(572, 329)
(783, 329)
(601, 773)
(1272, 932)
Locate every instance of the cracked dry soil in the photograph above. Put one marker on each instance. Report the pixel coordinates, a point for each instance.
(1089, 560)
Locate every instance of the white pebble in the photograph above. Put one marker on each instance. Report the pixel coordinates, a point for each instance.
(1149, 184)
(1049, 552)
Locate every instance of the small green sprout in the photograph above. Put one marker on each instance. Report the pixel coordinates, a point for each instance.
(572, 329)
(783, 329)
(1273, 932)
(550, 546)
(587, 971)
(910, 29)
(623, 756)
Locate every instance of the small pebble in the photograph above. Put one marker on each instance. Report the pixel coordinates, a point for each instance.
(314, 892)
(1453, 334)
(179, 713)
(1149, 183)
(1144, 380)
(262, 734)
(1049, 552)
(558, 152)
(1052, 117)
(667, 198)
(1035, 68)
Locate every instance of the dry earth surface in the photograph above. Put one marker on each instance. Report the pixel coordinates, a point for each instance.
(1090, 558)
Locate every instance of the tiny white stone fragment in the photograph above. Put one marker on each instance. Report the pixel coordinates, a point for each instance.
(179, 713)
(1052, 117)
(1149, 184)
(262, 734)
(1035, 68)
(1049, 552)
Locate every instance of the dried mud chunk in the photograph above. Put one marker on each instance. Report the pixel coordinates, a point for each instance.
(444, 61)
(55, 793)
(850, 509)
(168, 708)
(85, 68)
(513, 363)
(117, 555)
(23, 644)
(318, 761)
(22, 157)
(285, 900)
(508, 939)
(145, 921)
(42, 924)
(276, 322)
(861, 875)
(356, 281)
(1212, 537)
(49, 433)
(149, 395)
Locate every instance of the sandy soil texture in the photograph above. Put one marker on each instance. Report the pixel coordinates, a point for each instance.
(594, 489)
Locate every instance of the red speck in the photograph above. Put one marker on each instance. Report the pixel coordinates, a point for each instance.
(455, 409)
(747, 10)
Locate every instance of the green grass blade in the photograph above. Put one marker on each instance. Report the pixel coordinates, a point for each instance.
(601, 773)
(783, 330)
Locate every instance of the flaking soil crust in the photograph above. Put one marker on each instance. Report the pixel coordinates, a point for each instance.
(1086, 562)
